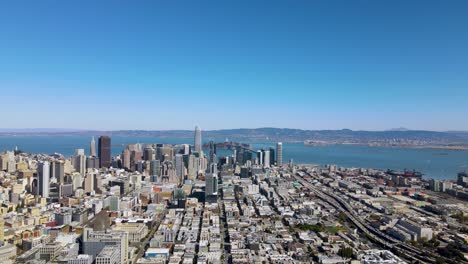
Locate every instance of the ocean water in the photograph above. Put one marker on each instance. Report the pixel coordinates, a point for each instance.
(437, 164)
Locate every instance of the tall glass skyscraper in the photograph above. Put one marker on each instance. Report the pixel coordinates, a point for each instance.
(198, 140)
(279, 154)
(104, 149)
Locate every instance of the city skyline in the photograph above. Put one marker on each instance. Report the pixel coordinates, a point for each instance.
(233, 132)
(309, 65)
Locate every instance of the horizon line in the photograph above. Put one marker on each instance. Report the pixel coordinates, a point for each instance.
(77, 130)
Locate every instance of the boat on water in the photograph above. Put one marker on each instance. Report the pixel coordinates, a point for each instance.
(405, 173)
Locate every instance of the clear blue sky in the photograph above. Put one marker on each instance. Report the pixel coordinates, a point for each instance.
(227, 64)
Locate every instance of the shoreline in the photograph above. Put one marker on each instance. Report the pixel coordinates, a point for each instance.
(459, 148)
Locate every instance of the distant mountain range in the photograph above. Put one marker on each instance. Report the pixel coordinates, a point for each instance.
(270, 134)
(39, 130)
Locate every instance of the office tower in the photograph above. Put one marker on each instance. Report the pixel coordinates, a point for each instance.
(125, 157)
(272, 156)
(198, 140)
(155, 170)
(79, 161)
(89, 182)
(104, 149)
(192, 167)
(186, 149)
(92, 148)
(212, 151)
(79, 152)
(43, 175)
(266, 158)
(60, 171)
(260, 157)
(167, 153)
(135, 157)
(57, 171)
(76, 179)
(149, 154)
(159, 151)
(211, 181)
(140, 166)
(279, 154)
(213, 168)
(248, 156)
(179, 166)
(238, 154)
(92, 163)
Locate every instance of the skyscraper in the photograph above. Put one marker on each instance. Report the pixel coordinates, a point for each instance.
(79, 161)
(92, 162)
(186, 149)
(149, 153)
(212, 151)
(272, 156)
(92, 148)
(266, 158)
(211, 181)
(104, 149)
(279, 154)
(179, 164)
(260, 157)
(155, 170)
(43, 175)
(198, 140)
(57, 171)
(89, 182)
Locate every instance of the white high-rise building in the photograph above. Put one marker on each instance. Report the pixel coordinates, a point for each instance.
(43, 175)
(198, 140)
(92, 148)
(186, 148)
(266, 158)
(79, 161)
(279, 154)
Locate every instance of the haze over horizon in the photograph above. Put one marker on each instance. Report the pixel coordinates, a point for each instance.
(71, 130)
(361, 65)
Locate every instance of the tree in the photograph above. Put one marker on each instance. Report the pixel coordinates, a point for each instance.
(342, 217)
(460, 217)
(346, 252)
(452, 251)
